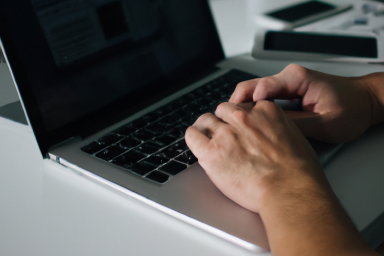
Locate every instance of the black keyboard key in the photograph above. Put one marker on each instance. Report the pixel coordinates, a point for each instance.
(109, 139)
(181, 115)
(168, 120)
(231, 87)
(192, 120)
(172, 106)
(212, 108)
(220, 79)
(151, 117)
(157, 128)
(125, 130)
(140, 123)
(209, 87)
(173, 150)
(160, 112)
(182, 101)
(155, 160)
(225, 99)
(143, 135)
(202, 90)
(205, 102)
(142, 168)
(216, 95)
(246, 77)
(93, 147)
(173, 168)
(148, 148)
(228, 89)
(164, 140)
(179, 131)
(194, 108)
(128, 159)
(110, 152)
(217, 83)
(130, 142)
(192, 96)
(187, 157)
(158, 177)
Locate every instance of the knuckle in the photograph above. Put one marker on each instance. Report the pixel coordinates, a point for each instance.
(188, 135)
(204, 117)
(266, 81)
(241, 86)
(299, 71)
(293, 66)
(221, 107)
(240, 116)
(269, 107)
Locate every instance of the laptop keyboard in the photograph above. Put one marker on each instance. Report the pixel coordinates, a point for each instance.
(153, 145)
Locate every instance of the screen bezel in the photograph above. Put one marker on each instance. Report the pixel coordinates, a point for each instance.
(102, 118)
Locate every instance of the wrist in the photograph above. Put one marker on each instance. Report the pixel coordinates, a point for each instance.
(373, 84)
(293, 186)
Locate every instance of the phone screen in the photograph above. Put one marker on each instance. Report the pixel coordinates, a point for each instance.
(300, 11)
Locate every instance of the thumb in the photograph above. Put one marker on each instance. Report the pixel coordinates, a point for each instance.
(292, 82)
(311, 124)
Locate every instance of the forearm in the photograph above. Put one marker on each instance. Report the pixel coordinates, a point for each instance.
(304, 212)
(305, 218)
(374, 85)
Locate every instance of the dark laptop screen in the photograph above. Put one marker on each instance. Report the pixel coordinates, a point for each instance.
(80, 62)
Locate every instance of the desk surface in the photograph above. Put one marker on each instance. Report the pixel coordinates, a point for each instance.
(47, 209)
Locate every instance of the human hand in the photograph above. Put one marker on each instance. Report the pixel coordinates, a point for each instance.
(336, 109)
(247, 152)
(259, 159)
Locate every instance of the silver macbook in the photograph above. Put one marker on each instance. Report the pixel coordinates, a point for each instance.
(109, 88)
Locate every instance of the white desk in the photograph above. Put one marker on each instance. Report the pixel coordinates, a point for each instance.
(46, 209)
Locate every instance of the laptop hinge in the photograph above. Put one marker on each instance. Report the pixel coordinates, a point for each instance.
(53, 157)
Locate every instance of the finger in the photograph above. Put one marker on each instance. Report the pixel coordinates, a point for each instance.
(244, 91)
(196, 141)
(208, 124)
(231, 113)
(267, 110)
(247, 106)
(292, 82)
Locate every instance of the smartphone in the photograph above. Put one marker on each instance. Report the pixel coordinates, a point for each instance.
(300, 14)
(318, 46)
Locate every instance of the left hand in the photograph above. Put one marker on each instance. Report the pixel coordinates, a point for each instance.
(336, 109)
(250, 153)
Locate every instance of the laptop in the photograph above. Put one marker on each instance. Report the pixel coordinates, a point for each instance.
(109, 88)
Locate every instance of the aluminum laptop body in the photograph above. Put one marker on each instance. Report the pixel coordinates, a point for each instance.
(84, 68)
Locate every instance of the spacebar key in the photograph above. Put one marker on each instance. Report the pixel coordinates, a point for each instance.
(142, 168)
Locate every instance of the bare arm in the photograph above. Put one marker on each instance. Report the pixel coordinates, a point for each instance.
(261, 160)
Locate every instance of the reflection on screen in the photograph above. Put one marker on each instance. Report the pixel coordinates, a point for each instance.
(81, 57)
(77, 28)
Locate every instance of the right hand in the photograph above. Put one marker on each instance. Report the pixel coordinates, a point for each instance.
(336, 109)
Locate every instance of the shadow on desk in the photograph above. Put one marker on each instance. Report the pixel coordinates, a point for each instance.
(14, 112)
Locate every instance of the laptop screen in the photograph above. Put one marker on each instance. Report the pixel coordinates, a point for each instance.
(79, 63)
